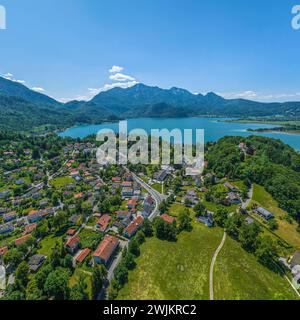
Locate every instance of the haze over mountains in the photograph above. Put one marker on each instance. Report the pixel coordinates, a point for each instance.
(23, 109)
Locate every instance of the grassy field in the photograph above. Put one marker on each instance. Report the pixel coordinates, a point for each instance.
(286, 230)
(61, 182)
(88, 237)
(48, 244)
(87, 279)
(167, 270)
(175, 209)
(238, 276)
(180, 271)
(157, 187)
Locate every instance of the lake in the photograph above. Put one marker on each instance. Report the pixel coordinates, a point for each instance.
(214, 129)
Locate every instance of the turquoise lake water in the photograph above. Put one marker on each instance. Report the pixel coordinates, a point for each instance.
(213, 128)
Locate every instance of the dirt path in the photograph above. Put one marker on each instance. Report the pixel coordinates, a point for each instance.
(211, 272)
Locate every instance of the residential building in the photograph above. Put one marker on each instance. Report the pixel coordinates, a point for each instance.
(267, 215)
(82, 255)
(22, 240)
(6, 228)
(133, 227)
(36, 261)
(106, 249)
(127, 192)
(72, 244)
(132, 203)
(148, 205)
(103, 222)
(168, 218)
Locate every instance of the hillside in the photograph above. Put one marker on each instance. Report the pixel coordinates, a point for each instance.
(14, 89)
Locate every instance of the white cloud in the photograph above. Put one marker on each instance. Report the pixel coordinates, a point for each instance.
(38, 89)
(21, 81)
(121, 77)
(8, 76)
(258, 96)
(115, 69)
(119, 80)
(239, 95)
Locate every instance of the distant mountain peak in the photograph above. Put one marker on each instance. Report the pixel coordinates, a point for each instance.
(11, 88)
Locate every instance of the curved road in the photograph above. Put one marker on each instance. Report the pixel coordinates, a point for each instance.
(211, 271)
(158, 198)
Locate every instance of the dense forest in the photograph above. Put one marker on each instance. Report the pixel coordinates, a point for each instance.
(273, 164)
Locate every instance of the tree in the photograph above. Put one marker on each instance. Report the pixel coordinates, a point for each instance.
(134, 248)
(273, 224)
(56, 285)
(99, 274)
(267, 252)
(199, 209)
(35, 154)
(129, 262)
(113, 290)
(121, 274)
(13, 257)
(221, 216)
(248, 235)
(164, 230)
(42, 275)
(22, 273)
(184, 220)
(78, 292)
(140, 237)
(232, 225)
(33, 293)
(163, 207)
(147, 228)
(59, 220)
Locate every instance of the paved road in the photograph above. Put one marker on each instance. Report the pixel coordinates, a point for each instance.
(211, 272)
(117, 260)
(250, 195)
(158, 198)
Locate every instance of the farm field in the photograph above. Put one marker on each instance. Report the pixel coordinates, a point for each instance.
(238, 276)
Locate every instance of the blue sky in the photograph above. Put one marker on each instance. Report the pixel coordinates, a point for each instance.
(234, 47)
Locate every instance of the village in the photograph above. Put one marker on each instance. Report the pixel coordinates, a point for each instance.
(94, 213)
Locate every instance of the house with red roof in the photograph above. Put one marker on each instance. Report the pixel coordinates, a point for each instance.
(168, 218)
(133, 227)
(127, 184)
(79, 195)
(34, 216)
(30, 228)
(106, 249)
(123, 214)
(132, 203)
(103, 222)
(71, 232)
(22, 240)
(83, 255)
(72, 244)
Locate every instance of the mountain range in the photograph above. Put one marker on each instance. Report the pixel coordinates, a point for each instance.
(23, 109)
